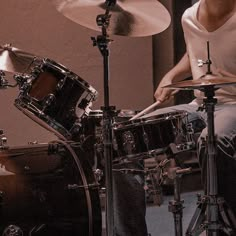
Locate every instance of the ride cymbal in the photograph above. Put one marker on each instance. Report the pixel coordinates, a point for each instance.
(202, 82)
(133, 18)
(15, 60)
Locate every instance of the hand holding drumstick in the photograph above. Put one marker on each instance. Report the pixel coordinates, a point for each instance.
(181, 71)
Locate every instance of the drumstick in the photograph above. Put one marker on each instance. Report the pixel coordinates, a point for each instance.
(158, 102)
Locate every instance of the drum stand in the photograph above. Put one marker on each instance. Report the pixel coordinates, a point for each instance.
(175, 174)
(176, 205)
(211, 205)
(102, 42)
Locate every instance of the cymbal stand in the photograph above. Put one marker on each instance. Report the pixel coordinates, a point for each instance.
(206, 216)
(102, 42)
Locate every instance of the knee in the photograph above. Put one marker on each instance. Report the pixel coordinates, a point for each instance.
(225, 142)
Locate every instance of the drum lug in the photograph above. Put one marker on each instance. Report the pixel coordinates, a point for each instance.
(25, 87)
(98, 173)
(13, 230)
(128, 142)
(84, 106)
(60, 84)
(21, 79)
(47, 101)
(145, 139)
(76, 127)
(3, 140)
(36, 71)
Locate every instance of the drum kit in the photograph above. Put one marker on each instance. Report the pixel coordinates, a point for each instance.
(41, 179)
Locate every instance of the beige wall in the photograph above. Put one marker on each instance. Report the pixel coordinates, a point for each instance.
(35, 26)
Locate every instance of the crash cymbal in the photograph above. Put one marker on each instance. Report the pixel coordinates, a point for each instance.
(133, 18)
(14, 60)
(202, 82)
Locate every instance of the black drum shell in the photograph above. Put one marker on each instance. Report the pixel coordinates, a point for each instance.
(144, 135)
(42, 188)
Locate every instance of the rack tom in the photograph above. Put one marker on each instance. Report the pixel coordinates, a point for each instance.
(55, 97)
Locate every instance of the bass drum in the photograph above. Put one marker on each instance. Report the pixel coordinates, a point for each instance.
(47, 190)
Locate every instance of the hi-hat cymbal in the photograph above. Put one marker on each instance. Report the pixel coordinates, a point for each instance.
(134, 18)
(202, 82)
(15, 60)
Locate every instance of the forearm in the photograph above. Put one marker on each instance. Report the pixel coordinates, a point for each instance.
(181, 71)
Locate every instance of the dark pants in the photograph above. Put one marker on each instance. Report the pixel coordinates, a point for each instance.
(129, 204)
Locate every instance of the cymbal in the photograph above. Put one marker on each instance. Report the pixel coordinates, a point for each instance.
(15, 60)
(202, 82)
(128, 18)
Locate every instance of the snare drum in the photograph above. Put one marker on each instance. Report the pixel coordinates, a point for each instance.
(147, 137)
(46, 189)
(55, 98)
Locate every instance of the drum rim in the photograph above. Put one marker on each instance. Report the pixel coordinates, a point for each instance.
(43, 120)
(130, 158)
(120, 112)
(62, 68)
(150, 119)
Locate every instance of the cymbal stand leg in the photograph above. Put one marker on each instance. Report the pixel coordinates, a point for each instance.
(102, 42)
(196, 226)
(209, 208)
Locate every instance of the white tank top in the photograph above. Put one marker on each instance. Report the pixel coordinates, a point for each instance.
(222, 51)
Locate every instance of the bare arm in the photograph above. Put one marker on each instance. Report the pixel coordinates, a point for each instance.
(180, 72)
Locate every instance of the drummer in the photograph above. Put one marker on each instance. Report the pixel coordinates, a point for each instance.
(213, 21)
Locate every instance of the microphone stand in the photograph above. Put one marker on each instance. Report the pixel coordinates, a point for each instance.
(102, 42)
